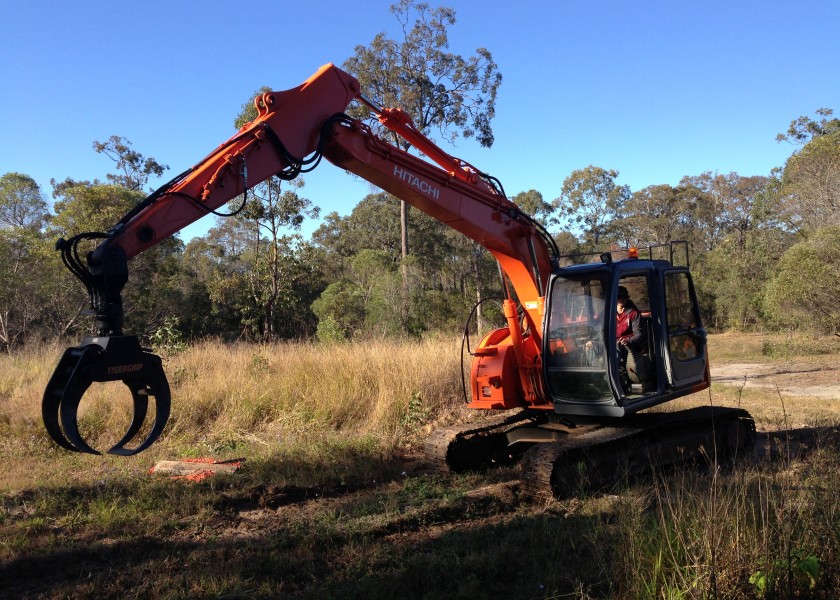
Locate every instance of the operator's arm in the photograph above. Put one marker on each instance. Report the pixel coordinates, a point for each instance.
(633, 334)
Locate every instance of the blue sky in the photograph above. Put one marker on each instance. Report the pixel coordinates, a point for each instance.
(654, 90)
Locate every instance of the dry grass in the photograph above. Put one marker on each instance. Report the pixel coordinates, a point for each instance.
(292, 388)
(770, 409)
(225, 396)
(229, 397)
(325, 506)
(733, 347)
(726, 348)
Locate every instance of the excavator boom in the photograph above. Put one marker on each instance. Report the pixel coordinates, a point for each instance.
(292, 131)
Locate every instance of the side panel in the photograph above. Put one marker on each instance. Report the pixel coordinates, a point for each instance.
(493, 375)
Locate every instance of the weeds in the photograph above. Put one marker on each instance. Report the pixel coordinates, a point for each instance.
(801, 570)
(168, 339)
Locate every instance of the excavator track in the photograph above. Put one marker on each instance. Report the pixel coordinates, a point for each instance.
(543, 463)
(606, 455)
(472, 447)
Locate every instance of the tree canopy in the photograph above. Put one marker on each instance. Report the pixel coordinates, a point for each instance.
(21, 203)
(439, 89)
(134, 168)
(591, 200)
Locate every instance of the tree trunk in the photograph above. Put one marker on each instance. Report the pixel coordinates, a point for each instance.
(403, 263)
(275, 287)
(404, 228)
(479, 312)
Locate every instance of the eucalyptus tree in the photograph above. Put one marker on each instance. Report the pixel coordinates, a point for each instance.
(809, 191)
(722, 204)
(21, 202)
(804, 129)
(653, 215)
(533, 203)
(23, 212)
(591, 201)
(134, 169)
(22, 273)
(443, 92)
(374, 226)
(802, 293)
(276, 215)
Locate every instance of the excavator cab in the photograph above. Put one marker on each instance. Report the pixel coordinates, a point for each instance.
(587, 372)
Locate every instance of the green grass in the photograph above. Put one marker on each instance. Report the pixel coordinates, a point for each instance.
(681, 534)
(378, 542)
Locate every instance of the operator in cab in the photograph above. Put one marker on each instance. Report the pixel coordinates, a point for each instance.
(628, 330)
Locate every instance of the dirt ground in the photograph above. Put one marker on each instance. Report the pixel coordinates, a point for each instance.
(819, 379)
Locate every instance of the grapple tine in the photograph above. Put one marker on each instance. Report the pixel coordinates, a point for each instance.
(56, 392)
(69, 410)
(49, 413)
(161, 417)
(141, 407)
(154, 384)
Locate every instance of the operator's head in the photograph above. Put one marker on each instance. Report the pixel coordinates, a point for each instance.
(623, 297)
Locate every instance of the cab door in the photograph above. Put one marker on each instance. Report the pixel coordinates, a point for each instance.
(686, 356)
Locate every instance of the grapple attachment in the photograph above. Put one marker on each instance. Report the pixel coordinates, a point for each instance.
(100, 359)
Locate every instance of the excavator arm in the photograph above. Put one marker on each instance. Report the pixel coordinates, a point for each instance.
(288, 129)
(507, 372)
(293, 130)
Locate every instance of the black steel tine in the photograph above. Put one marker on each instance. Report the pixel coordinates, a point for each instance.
(157, 386)
(53, 394)
(69, 409)
(141, 407)
(50, 417)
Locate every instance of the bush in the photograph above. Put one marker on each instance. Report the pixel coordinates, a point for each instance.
(803, 293)
(168, 339)
(799, 345)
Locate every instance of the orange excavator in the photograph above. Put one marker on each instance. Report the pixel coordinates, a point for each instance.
(566, 398)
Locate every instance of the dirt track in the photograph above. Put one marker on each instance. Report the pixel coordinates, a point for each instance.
(796, 379)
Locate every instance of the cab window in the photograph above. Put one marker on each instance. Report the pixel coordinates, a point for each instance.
(681, 316)
(577, 365)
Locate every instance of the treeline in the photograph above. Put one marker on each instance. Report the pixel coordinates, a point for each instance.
(764, 252)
